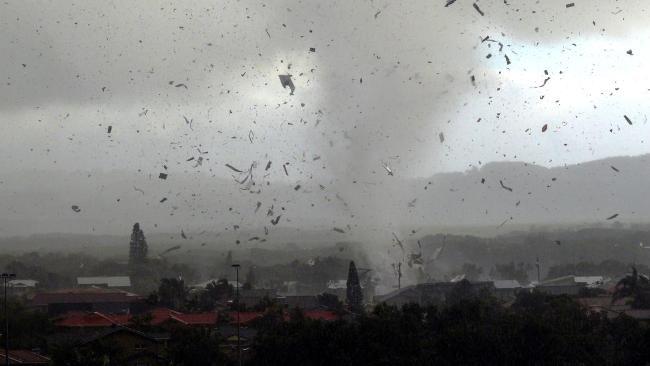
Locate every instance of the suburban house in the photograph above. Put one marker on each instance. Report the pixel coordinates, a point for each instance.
(338, 288)
(88, 299)
(120, 282)
(118, 345)
(21, 287)
(570, 285)
(430, 293)
(155, 317)
(506, 289)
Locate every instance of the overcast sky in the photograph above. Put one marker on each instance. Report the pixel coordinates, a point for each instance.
(383, 83)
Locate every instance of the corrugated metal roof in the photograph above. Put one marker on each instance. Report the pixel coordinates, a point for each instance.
(109, 281)
(23, 283)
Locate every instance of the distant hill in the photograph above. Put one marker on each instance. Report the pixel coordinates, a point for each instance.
(499, 197)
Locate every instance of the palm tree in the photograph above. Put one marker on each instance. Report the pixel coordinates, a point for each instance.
(636, 286)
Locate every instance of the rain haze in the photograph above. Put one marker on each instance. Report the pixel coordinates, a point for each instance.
(416, 88)
(348, 157)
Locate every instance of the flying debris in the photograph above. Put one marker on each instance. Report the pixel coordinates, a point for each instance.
(612, 217)
(504, 186)
(629, 52)
(162, 176)
(312, 49)
(171, 249)
(163, 199)
(233, 168)
(507, 59)
(558, 242)
(339, 230)
(544, 128)
(436, 253)
(415, 258)
(248, 174)
(110, 128)
(189, 122)
(268, 166)
(449, 2)
(388, 170)
(297, 187)
(276, 220)
(287, 82)
(257, 207)
(284, 166)
(478, 9)
(75, 208)
(181, 85)
(183, 234)
(544, 83)
(614, 168)
(399, 242)
(570, 5)
(628, 119)
(441, 136)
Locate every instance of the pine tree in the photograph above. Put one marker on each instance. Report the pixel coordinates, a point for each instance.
(354, 292)
(138, 247)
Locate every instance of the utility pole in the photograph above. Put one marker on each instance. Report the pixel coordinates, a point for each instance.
(6, 277)
(236, 267)
(538, 277)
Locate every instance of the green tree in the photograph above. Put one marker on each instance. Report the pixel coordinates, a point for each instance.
(27, 327)
(195, 347)
(172, 293)
(220, 290)
(636, 286)
(138, 247)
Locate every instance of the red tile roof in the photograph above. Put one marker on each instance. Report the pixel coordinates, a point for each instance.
(86, 319)
(245, 317)
(158, 316)
(18, 357)
(196, 319)
(321, 315)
